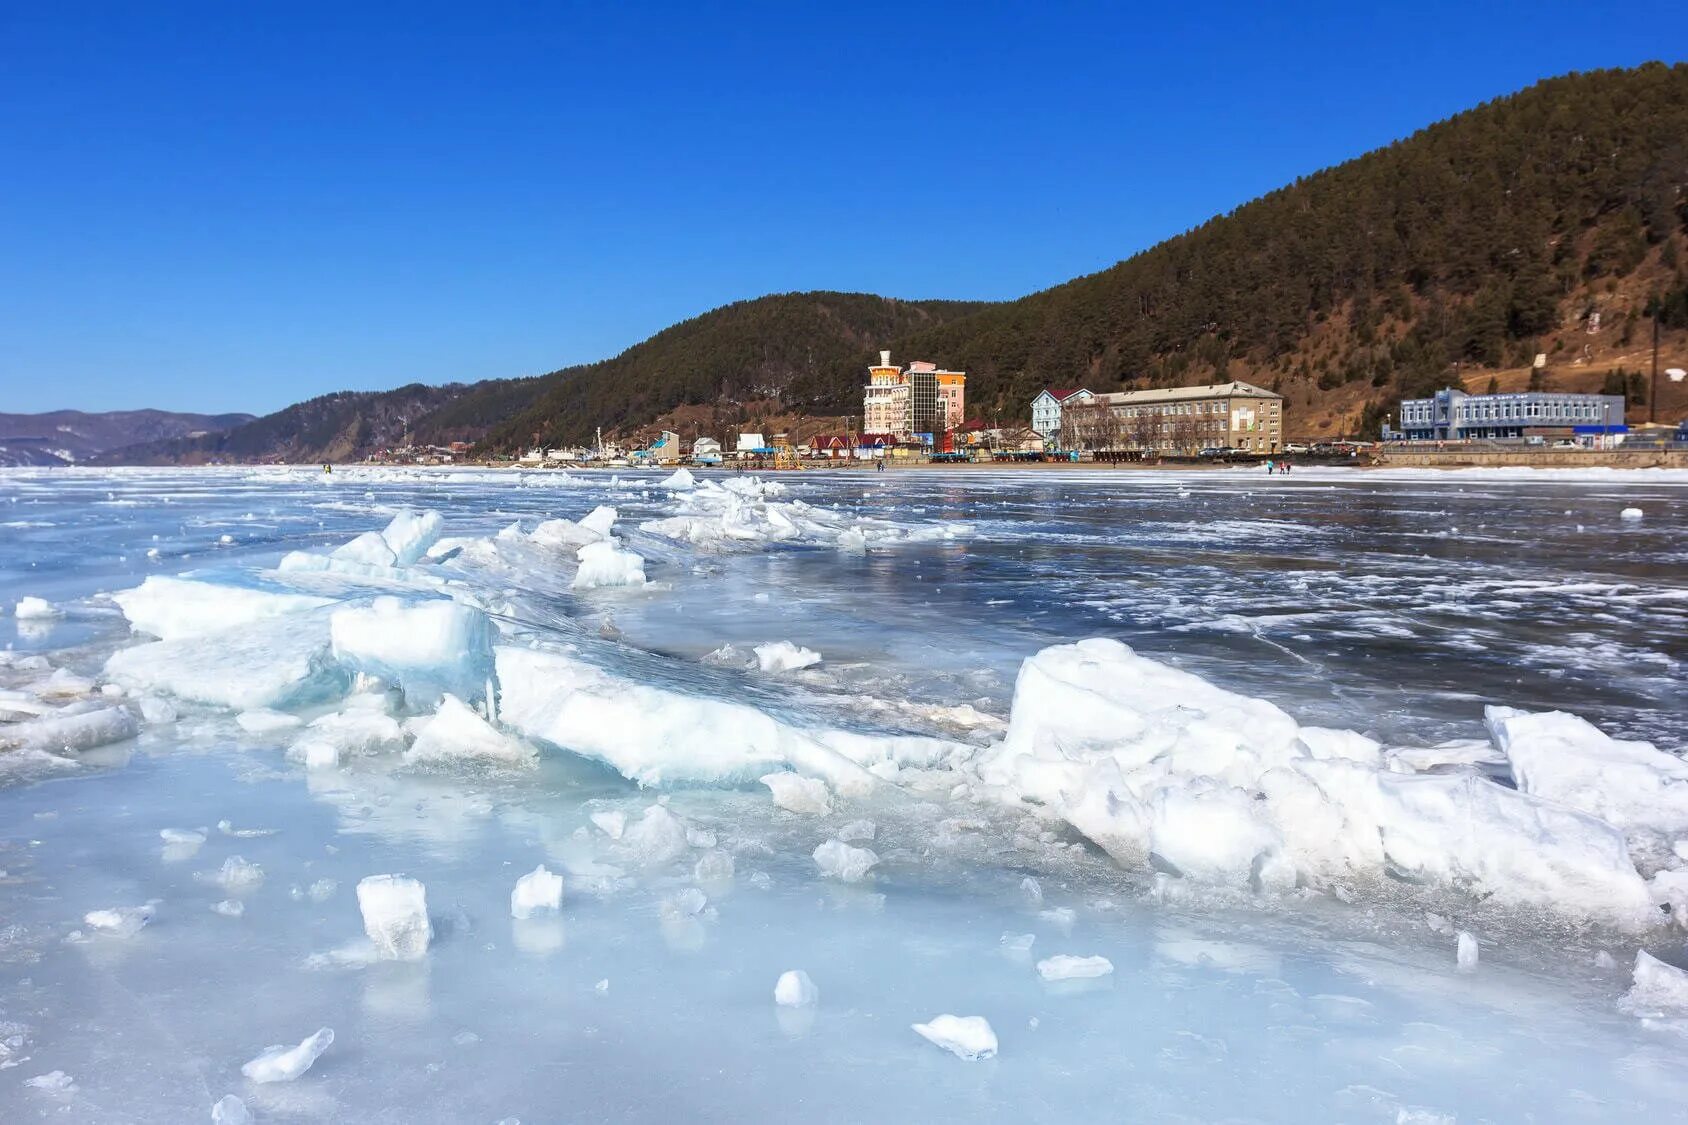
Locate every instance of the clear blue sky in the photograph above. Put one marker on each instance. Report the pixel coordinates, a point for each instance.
(232, 206)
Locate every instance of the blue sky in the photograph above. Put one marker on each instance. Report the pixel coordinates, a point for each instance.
(228, 206)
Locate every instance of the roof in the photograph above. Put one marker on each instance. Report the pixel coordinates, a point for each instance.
(1062, 394)
(1186, 394)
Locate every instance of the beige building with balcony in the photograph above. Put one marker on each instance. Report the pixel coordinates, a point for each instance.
(1187, 419)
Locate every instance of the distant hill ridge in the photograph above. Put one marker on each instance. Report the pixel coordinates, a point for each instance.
(64, 437)
(1459, 252)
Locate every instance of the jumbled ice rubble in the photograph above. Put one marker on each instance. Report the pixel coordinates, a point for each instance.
(383, 646)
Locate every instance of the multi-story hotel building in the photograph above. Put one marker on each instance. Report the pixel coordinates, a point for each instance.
(922, 400)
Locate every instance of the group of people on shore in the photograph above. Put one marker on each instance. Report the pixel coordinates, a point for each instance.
(1276, 465)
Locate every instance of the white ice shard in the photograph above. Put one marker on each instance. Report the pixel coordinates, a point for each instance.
(655, 736)
(1631, 514)
(283, 1064)
(1147, 760)
(1063, 966)
(63, 734)
(31, 608)
(656, 837)
(799, 794)
(54, 1081)
(395, 916)
(794, 989)
(858, 830)
(271, 662)
(604, 564)
(838, 860)
(1567, 759)
(230, 1110)
(1656, 989)
(236, 874)
(611, 822)
(265, 721)
(410, 534)
(783, 656)
(369, 549)
(455, 731)
(679, 480)
(429, 648)
(1465, 952)
(965, 1037)
(171, 608)
(120, 921)
(538, 892)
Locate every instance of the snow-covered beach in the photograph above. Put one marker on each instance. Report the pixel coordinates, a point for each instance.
(1361, 789)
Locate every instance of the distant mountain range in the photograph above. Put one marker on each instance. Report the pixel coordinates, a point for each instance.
(1553, 222)
(68, 437)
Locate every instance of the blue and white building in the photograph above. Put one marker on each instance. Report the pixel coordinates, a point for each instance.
(1453, 415)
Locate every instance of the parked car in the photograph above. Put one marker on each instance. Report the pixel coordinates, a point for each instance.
(1566, 443)
(1297, 447)
(1214, 451)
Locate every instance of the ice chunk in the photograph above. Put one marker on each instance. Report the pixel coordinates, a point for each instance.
(965, 1037)
(783, 656)
(605, 564)
(657, 837)
(62, 734)
(182, 836)
(795, 990)
(172, 608)
(714, 866)
(799, 794)
(273, 662)
(370, 549)
(1065, 967)
(119, 921)
(838, 860)
(410, 534)
(428, 648)
(265, 721)
(654, 736)
(537, 892)
(230, 1110)
(283, 1064)
(354, 731)
(1630, 514)
(611, 823)
(1465, 953)
(858, 830)
(1657, 989)
(32, 608)
(1209, 831)
(1567, 759)
(395, 916)
(54, 1082)
(236, 874)
(455, 731)
(155, 710)
(679, 481)
(686, 904)
(1017, 944)
(229, 908)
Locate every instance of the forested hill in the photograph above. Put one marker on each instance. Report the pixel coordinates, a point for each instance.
(1478, 241)
(1457, 253)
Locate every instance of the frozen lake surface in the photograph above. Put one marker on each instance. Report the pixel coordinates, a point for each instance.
(1265, 790)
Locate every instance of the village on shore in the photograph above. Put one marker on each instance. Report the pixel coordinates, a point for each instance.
(917, 416)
